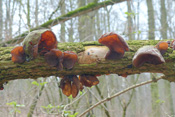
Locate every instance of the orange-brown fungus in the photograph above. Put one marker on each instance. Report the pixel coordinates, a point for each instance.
(18, 55)
(54, 58)
(75, 86)
(70, 85)
(65, 85)
(70, 58)
(162, 47)
(116, 44)
(88, 80)
(47, 42)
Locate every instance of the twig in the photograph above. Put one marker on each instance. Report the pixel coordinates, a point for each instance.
(119, 93)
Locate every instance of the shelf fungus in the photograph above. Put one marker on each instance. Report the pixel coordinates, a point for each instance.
(18, 55)
(116, 44)
(54, 58)
(69, 59)
(147, 54)
(162, 46)
(88, 80)
(70, 85)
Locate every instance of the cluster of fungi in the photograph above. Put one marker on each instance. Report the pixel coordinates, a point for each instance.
(44, 43)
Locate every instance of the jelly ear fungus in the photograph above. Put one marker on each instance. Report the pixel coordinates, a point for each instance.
(116, 44)
(39, 42)
(147, 54)
(18, 55)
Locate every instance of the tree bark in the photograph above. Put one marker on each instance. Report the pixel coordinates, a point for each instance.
(77, 12)
(39, 68)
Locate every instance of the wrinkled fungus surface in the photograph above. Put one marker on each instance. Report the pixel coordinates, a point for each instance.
(69, 60)
(147, 54)
(116, 44)
(18, 55)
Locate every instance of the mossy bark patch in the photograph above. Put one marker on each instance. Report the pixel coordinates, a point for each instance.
(39, 68)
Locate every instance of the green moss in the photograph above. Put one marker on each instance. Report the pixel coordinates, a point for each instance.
(5, 53)
(75, 47)
(88, 65)
(90, 43)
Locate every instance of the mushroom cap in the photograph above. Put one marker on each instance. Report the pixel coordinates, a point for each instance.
(54, 58)
(147, 54)
(65, 85)
(39, 41)
(115, 43)
(88, 80)
(162, 46)
(18, 55)
(70, 84)
(69, 60)
(75, 86)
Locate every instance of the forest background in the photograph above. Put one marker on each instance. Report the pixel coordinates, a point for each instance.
(133, 20)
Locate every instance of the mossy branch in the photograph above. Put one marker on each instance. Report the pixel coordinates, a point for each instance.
(39, 68)
(77, 12)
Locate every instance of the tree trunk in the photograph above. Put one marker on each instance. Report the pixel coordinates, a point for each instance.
(71, 29)
(36, 13)
(35, 100)
(154, 86)
(155, 98)
(151, 20)
(81, 22)
(39, 68)
(163, 20)
(1, 20)
(63, 30)
(28, 14)
(167, 89)
(130, 22)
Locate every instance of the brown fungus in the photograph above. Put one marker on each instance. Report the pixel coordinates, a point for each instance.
(70, 85)
(116, 44)
(65, 85)
(69, 60)
(39, 42)
(18, 55)
(54, 58)
(75, 86)
(147, 54)
(88, 80)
